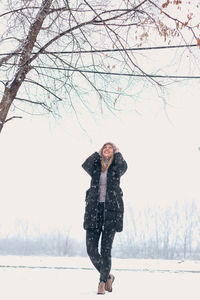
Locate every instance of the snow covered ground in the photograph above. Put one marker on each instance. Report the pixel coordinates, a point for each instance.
(74, 278)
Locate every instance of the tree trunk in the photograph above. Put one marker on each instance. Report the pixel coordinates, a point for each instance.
(10, 93)
(8, 97)
(12, 88)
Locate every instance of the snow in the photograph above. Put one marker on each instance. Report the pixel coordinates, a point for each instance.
(61, 278)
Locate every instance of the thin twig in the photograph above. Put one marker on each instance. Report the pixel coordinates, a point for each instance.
(14, 117)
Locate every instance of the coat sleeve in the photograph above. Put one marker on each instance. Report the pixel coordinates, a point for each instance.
(120, 163)
(89, 163)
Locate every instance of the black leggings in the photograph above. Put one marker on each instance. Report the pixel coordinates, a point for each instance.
(102, 260)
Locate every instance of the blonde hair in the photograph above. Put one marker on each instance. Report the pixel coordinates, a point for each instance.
(104, 166)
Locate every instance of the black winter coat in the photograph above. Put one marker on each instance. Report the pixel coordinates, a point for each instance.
(114, 206)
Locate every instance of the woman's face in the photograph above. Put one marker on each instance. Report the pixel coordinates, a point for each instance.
(107, 151)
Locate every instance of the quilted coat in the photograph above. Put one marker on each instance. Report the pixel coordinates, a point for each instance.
(114, 206)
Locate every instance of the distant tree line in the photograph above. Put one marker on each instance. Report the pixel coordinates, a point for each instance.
(172, 232)
(52, 244)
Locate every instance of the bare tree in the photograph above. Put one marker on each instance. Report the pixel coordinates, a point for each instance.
(61, 51)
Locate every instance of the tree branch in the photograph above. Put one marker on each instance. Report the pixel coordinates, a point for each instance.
(172, 18)
(45, 88)
(35, 102)
(125, 12)
(110, 29)
(14, 117)
(90, 22)
(6, 58)
(17, 10)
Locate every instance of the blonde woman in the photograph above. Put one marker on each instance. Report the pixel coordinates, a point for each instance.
(104, 209)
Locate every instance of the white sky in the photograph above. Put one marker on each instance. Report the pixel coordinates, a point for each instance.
(41, 176)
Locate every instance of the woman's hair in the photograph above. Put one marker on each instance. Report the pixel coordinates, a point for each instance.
(105, 165)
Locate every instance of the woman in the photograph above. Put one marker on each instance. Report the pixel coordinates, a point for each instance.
(104, 209)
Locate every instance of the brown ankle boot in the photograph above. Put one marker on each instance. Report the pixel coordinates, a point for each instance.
(109, 282)
(101, 288)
